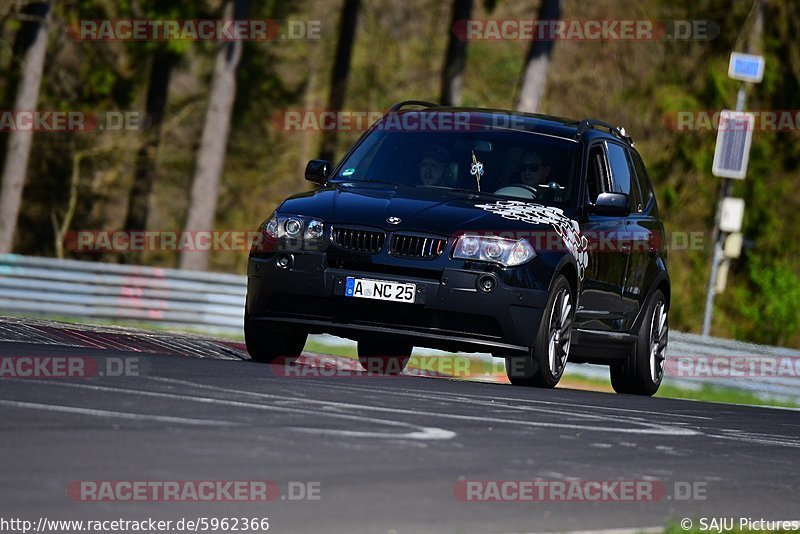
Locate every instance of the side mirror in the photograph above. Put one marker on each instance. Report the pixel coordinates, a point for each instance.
(318, 170)
(613, 204)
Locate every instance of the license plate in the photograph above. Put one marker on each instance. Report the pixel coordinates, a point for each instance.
(380, 290)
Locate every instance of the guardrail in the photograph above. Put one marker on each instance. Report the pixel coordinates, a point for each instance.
(212, 302)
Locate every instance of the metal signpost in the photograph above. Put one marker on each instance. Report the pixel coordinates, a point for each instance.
(734, 136)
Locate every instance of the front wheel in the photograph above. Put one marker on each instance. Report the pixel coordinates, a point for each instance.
(544, 363)
(642, 372)
(266, 344)
(383, 355)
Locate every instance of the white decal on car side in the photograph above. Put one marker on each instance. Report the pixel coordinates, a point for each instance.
(567, 228)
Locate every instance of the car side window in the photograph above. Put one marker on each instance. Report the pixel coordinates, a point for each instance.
(644, 180)
(636, 196)
(597, 178)
(636, 187)
(620, 170)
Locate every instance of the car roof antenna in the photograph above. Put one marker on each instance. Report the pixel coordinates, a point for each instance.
(476, 170)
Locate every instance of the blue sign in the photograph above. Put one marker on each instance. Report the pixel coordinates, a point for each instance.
(349, 287)
(746, 67)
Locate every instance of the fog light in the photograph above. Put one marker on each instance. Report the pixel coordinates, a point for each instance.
(486, 283)
(283, 262)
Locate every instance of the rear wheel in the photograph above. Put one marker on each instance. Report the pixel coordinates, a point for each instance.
(544, 363)
(383, 355)
(641, 373)
(269, 344)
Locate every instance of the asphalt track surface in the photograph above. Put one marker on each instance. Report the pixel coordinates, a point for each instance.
(387, 454)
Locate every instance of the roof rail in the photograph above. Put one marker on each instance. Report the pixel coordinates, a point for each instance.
(618, 131)
(404, 103)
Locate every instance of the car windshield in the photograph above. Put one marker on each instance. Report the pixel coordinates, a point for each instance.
(523, 165)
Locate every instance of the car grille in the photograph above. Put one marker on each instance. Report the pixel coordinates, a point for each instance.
(413, 246)
(365, 241)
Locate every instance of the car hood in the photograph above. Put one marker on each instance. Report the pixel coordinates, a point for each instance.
(428, 210)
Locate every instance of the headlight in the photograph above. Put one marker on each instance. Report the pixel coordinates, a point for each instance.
(271, 228)
(467, 247)
(493, 250)
(508, 252)
(315, 229)
(293, 227)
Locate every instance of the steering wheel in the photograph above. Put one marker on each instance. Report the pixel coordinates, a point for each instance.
(516, 190)
(552, 185)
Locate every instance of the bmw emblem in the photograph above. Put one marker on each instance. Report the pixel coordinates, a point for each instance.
(394, 220)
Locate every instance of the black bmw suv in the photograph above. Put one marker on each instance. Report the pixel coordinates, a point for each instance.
(532, 237)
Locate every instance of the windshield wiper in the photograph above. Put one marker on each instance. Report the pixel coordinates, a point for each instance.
(458, 190)
(371, 181)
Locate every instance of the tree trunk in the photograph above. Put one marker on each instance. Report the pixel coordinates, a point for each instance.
(341, 70)
(32, 48)
(214, 142)
(537, 62)
(309, 101)
(456, 58)
(755, 42)
(145, 173)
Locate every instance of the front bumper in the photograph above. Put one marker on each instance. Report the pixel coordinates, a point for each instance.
(450, 311)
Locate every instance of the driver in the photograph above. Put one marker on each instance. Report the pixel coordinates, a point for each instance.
(532, 170)
(433, 166)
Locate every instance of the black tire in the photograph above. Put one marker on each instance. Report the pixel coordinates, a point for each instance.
(643, 370)
(269, 344)
(620, 379)
(537, 368)
(383, 355)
